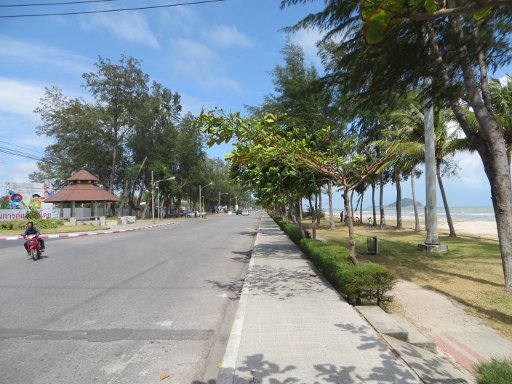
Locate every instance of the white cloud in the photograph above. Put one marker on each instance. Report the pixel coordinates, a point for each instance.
(307, 39)
(227, 37)
(42, 54)
(194, 104)
(19, 97)
(129, 26)
(18, 172)
(471, 171)
(182, 18)
(202, 65)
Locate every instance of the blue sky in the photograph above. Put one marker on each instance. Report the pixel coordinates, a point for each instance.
(214, 55)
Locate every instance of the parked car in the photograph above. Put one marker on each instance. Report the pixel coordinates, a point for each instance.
(238, 212)
(192, 213)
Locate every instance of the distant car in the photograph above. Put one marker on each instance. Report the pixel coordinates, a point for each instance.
(238, 212)
(192, 213)
(245, 212)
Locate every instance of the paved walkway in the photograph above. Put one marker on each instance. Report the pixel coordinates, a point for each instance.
(292, 327)
(455, 332)
(115, 229)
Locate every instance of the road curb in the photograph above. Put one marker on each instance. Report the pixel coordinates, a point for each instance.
(227, 371)
(91, 233)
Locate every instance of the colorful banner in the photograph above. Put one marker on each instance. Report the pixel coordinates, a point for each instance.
(19, 198)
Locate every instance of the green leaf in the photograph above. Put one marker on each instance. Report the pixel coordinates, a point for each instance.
(482, 13)
(431, 5)
(375, 27)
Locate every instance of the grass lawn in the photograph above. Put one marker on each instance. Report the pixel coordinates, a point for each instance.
(470, 273)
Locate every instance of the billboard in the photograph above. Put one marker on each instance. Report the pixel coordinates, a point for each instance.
(18, 198)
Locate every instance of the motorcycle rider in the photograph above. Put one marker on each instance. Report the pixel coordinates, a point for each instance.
(31, 230)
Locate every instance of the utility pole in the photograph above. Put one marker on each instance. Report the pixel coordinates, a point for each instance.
(152, 198)
(200, 210)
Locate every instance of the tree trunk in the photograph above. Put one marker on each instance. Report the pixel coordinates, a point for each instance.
(352, 204)
(398, 199)
(294, 207)
(373, 205)
(445, 199)
(491, 146)
(313, 217)
(350, 224)
(319, 209)
(361, 208)
(382, 221)
(331, 212)
(417, 227)
(126, 196)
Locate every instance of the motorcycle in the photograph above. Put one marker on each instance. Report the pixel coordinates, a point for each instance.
(34, 246)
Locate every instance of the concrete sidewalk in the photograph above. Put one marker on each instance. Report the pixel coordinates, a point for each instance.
(116, 229)
(293, 327)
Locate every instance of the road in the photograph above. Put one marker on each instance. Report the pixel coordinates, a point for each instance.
(123, 308)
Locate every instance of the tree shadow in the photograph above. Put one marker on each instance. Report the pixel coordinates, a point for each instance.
(429, 365)
(283, 282)
(255, 369)
(389, 372)
(233, 288)
(244, 256)
(369, 340)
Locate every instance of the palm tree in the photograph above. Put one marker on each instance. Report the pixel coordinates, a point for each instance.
(446, 143)
(501, 99)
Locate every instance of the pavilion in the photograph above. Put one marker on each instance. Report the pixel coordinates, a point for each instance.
(82, 188)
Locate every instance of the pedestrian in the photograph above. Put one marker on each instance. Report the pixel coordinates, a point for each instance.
(341, 216)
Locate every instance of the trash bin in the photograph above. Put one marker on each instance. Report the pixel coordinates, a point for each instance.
(372, 243)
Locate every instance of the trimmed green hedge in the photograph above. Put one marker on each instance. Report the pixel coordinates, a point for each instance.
(362, 283)
(39, 223)
(293, 232)
(494, 372)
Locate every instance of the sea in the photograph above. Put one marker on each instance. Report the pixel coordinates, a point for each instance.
(457, 213)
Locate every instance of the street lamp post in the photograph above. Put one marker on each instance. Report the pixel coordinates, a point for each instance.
(153, 183)
(200, 191)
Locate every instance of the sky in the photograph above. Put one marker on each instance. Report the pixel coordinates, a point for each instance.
(214, 55)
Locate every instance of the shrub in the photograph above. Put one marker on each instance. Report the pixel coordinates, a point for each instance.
(367, 282)
(293, 232)
(494, 372)
(21, 225)
(32, 214)
(359, 283)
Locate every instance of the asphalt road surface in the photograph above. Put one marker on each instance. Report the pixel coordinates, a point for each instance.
(123, 308)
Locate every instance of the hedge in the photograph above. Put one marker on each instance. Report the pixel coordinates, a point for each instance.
(362, 283)
(39, 223)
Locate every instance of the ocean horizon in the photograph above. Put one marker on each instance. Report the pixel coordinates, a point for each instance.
(457, 213)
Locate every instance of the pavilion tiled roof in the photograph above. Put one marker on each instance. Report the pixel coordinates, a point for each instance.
(82, 188)
(83, 175)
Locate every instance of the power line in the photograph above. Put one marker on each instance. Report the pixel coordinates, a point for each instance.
(25, 147)
(19, 153)
(51, 4)
(111, 10)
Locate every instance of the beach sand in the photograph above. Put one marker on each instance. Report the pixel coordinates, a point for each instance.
(483, 229)
(480, 229)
